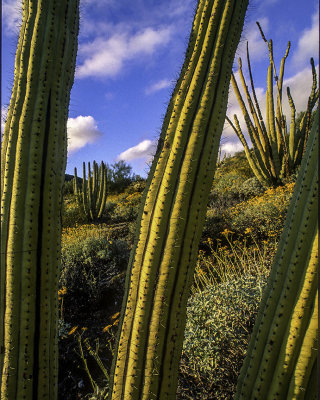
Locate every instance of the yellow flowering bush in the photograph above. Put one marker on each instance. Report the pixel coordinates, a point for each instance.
(264, 214)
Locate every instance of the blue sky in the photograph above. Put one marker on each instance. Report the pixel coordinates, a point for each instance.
(129, 56)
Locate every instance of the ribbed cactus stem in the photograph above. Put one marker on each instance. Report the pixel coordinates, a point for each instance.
(282, 351)
(33, 164)
(171, 221)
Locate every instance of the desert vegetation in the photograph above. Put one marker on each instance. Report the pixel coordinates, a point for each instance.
(196, 283)
(243, 224)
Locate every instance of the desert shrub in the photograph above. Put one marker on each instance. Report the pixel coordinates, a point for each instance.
(237, 164)
(226, 191)
(68, 188)
(219, 322)
(71, 213)
(250, 188)
(263, 215)
(93, 272)
(127, 207)
(222, 262)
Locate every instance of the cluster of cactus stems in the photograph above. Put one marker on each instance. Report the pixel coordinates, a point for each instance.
(277, 151)
(92, 196)
(33, 160)
(169, 228)
(281, 361)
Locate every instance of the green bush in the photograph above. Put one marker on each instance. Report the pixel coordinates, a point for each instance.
(219, 323)
(250, 188)
(71, 213)
(93, 271)
(263, 215)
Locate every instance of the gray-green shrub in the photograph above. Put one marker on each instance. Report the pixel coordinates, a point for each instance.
(219, 322)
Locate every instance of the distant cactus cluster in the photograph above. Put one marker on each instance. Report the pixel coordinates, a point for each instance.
(91, 197)
(277, 151)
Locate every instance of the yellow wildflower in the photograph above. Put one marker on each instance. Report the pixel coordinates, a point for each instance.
(72, 330)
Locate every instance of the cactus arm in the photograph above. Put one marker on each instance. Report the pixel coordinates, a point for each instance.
(32, 255)
(292, 137)
(271, 122)
(8, 146)
(95, 187)
(258, 150)
(162, 254)
(286, 282)
(260, 138)
(85, 192)
(300, 379)
(296, 331)
(263, 127)
(100, 187)
(153, 184)
(103, 189)
(254, 164)
(90, 193)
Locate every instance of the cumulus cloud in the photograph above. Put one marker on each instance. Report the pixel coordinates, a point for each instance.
(163, 84)
(106, 57)
(4, 112)
(308, 45)
(230, 148)
(144, 149)
(81, 131)
(12, 16)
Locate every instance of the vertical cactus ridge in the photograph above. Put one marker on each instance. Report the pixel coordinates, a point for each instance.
(280, 333)
(153, 314)
(35, 137)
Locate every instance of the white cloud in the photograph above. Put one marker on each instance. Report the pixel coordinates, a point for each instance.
(308, 45)
(12, 16)
(106, 57)
(144, 149)
(163, 84)
(81, 131)
(4, 112)
(230, 148)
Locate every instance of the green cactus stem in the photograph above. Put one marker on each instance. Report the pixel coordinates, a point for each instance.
(92, 196)
(33, 158)
(171, 220)
(282, 352)
(276, 150)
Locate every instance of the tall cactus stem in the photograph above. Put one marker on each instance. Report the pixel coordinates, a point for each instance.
(34, 160)
(284, 330)
(170, 224)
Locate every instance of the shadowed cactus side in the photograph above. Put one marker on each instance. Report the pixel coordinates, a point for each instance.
(277, 150)
(91, 198)
(33, 160)
(172, 217)
(281, 360)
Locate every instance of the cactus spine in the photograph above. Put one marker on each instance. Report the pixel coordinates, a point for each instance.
(281, 358)
(171, 220)
(277, 152)
(92, 197)
(33, 158)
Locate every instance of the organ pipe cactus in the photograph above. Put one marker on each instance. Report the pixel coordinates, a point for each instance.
(92, 197)
(33, 158)
(277, 150)
(281, 360)
(171, 220)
